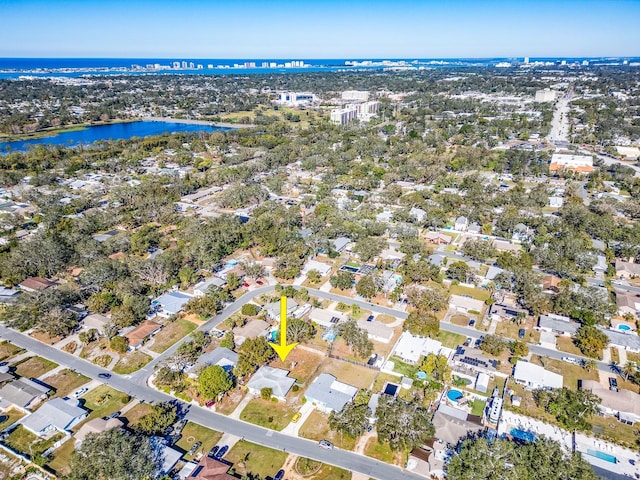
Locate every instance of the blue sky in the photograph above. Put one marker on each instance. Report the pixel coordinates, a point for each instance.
(319, 28)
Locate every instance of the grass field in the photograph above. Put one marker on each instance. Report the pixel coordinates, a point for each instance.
(472, 292)
(565, 344)
(33, 367)
(170, 334)
(355, 375)
(102, 401)
(450, 339)
(8, 350)
(10, 417)
(65, 382)
(61, 457)
(23, 441)
(380, 451)
(131, 362)
(267, 413)
(316, 427)
(192, 433)
(248, 457)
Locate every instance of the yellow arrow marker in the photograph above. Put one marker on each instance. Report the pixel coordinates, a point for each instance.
(283, 350)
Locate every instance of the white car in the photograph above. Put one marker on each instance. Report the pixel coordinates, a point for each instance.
(80, 392)
(570, 360)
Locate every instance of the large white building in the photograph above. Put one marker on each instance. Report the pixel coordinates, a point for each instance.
(359, 95)
(534, 377)
(577, 163)
(545, 95)
(296, 99)
(342, 116)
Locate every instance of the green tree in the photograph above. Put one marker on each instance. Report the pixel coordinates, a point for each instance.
(518, 348)
(437, 366)
(253, 353)
(250, 309)
(228, 341)
(156, 422)
(591, 341)
(299, 330)
(356, 338)
(572, 409)
(342, 280)
(352, 420)
(493, 345)
(214, 381)
(313, 276)
(119, 344)
(368, 286)
(402, 425)
(114, 454)
(233, 281)
(266, 393)
(423, 323)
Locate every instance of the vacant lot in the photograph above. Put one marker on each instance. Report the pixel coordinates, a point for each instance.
(472, 292)
(461, 320)
(33, 367)
(248, 457)
(382, 452)
(136, 413)
(450, 339)
(511, 329)
(571, 373)
(355, 375)
(317, 428)
(565, 344)
(269, 414)
(230, 401)
(102, 401)
(131, 362)
(193, 433)
(301, 363)
(65, 382)
(8, 350)
(171, 333)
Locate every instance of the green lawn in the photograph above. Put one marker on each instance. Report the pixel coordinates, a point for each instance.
(33, 367)
(379, 451)
(268, 414)
(131, 362)
(248, 457)
(8, 350)
(329, 472)
(10, 417)
(61, 457)
(477, 407)
(23, 441)
(404, 368)
(450, 339)
(136, 413)
(472, 292)
(565, 344)
(171, 333)
(65, 382)
(571, 373)
(102, 401)
(316, 427)
(192, 433)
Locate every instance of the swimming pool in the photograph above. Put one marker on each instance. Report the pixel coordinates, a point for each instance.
(602, 456)
(421, 375)
(390, 389)
(273, 335)
(522, 435)
(624, 327)
(454, 395)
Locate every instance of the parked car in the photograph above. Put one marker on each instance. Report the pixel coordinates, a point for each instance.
(213, 451)
(370, 318)
(210, 404)
(325, 444)
(104, 375)
(467, 342)
(472, 322)
(613, 384)
(194, 448)
(279, 475)
(222, 451)
(80, 392)
(521, 333)
(259, 282)
(372, 359)
(245, 285)
(296, 417)
(570, 360)
(112, 415)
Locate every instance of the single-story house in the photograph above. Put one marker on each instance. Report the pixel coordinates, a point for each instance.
(556, 202)
(201, 289)
(557, 324)
(598, 244)
(601, 265)
(418, 214)
(438, 259)
(623, 404)
(210, 469)
(327, 318)
(452, 424)
(170, 303)
(97, 425)
(322, 268)
(617, 338)
(95, 320)
(493, 272)
(273, 309)
(327, 394)
(437, 238)
(276, 379)
(168, 456)
(55, 415)
(475, 228)
(138, 335)
(627, 269)
(627, 302)
(253, 329)
(472, 361)
(461, 224)
(8, 295)
(377, 331)
(551, 283)
(221, 356)
(466, 304)
(23, 393)
(410, 348)
(535, 377)
(482, 382)
(506, 246)
(340, 243)
(35, 283)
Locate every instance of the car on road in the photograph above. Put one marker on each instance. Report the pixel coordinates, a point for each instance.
(521, 333)
(467, 342)
(222, 451)
(296, 417)
(80, 392)
(325, 444)
(213, 451)
(570, 360)
(279, 475)
(104, 375)
(194, 448)
(613, 384)
(472, 322)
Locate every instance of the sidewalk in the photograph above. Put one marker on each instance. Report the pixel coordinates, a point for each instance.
(293, 428)
(238, 410)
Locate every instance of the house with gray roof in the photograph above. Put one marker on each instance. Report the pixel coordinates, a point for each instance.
(55, 415)
(221, 356)
(23, 393)
(273, 309)
(618, 338)
(557, 324)
(171, 303)
(276, 379)
(327, 394)
(201, 289)
(340, 243)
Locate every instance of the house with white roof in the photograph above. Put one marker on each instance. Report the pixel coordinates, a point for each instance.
(276, 379)
(322, 268)
(466, 304)
(461, 224)
(410, 348)
(327, 318)
(55, 415)
(376, 331)
(535, 377)
(557, 324)
(201, 289)
(171, 303)
(630, 341)
(273, 309)
(327, 394)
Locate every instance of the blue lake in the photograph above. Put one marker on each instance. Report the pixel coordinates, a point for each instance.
(115, 131)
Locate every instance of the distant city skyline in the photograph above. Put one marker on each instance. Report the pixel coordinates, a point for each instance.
(319, 29)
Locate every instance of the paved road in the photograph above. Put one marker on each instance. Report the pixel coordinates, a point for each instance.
(340, 458)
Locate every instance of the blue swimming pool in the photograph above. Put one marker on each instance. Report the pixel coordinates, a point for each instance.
(273, 335)
(602, 456)
(454, 395)
(522, 435)
(421, 375)
(390, 389)
(624, 327)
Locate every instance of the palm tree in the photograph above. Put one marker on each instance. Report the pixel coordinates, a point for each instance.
(630, 369)
(615, 367)
(589, 365)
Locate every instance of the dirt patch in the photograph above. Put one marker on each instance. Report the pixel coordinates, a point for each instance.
(70, 347)
(301, 363)
(230, 401)
(44, 338)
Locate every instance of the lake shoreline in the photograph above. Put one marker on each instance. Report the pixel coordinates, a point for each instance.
(197, 122)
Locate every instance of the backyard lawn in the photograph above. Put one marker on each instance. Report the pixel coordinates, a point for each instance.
(192, 433)
(355, 375)
(248, 457)
(10, 417)
(472, 292)
(102, 401)
(131, 362)
(23, 441)
(268, 414)
(61, 457)
(305, 362)
(65, 382)
(171, 333)
(33, 367)
(317, 428)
